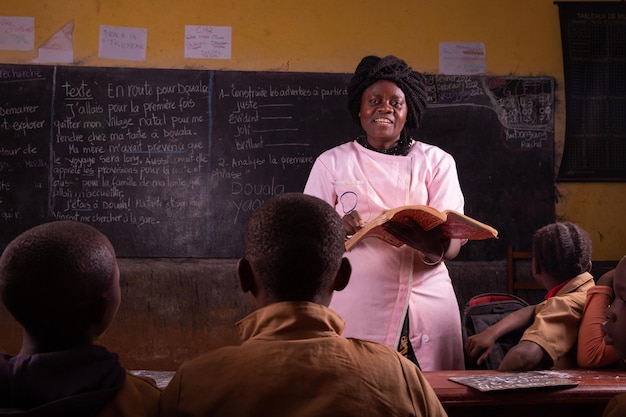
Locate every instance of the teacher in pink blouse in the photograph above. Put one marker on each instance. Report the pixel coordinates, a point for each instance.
(401, 297)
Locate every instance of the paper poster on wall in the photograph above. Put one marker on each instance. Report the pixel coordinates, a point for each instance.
(59, 48)
(118, 42)
(17, 33)
(208, 42)
(461, 58)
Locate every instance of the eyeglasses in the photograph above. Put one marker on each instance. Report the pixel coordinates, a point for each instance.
(348, 201)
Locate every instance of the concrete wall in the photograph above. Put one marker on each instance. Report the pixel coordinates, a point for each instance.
(174, 310)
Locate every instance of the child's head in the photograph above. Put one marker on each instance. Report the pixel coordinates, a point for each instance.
(562, 250)
(294, 248)
(60, 281)
(615, 325)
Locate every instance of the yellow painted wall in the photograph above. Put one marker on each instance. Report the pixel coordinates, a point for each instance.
(521, 38)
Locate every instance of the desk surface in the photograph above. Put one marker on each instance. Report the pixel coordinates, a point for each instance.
(588, 398)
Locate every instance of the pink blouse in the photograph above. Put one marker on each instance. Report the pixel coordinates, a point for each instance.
(387, 282)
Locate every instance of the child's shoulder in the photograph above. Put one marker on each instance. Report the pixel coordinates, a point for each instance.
(579, 284)
(138, 397)
(571, 297)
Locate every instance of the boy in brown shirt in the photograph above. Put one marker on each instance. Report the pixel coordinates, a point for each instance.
(60, 281)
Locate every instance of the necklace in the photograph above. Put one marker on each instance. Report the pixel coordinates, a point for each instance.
(401, 147)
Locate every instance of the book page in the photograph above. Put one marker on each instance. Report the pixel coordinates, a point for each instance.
(514, 380)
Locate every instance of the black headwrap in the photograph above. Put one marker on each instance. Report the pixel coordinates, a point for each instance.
(391, 68)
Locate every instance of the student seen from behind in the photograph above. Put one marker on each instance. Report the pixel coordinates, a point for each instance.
(615, 330)
(293, 360)
(60, 281)
(593, 351)
(561, 261)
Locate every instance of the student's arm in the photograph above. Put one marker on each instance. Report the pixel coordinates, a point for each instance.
(592, 351)
(552, 334)
(525, 356)
(616, 406)
(480, 345)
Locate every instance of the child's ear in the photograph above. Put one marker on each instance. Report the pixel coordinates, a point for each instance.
(246, 276)
(343, 275)
(100, 316)
(536, 269)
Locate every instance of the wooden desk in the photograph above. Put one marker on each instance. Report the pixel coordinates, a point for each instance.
(588, 399)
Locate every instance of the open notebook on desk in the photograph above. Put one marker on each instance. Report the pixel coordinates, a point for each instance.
(162, 378)
(515, 380)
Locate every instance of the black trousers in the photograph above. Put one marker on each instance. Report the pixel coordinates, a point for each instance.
(404, 346)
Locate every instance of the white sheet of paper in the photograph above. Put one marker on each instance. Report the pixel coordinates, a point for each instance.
(118, 42)
(462, 58)
(59, 47)
(208, 42)
(17, 33)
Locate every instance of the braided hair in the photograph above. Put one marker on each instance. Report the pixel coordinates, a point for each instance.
(372, 69)
(562, 249)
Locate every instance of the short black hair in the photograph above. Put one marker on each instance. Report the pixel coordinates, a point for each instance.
(295, 243)
(391, 68)
(562, 249)
(51, 274)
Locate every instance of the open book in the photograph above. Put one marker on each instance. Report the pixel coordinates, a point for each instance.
(453, 225)
(501, 381)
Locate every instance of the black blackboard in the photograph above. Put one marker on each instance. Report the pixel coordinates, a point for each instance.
(25, 118)
(268, 129)
(130, 155)
(170, 163)
(500, 131)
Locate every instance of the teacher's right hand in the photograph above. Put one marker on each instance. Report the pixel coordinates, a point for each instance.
(352, 222)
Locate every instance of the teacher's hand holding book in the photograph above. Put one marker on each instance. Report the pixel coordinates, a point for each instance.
(437, 226)
(430, 242)
(352, 222)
